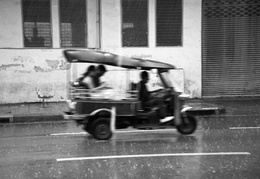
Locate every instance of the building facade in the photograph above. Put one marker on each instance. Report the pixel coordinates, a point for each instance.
(35, 32)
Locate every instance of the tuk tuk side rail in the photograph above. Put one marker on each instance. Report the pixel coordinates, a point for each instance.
(77, 93)
(75, 117)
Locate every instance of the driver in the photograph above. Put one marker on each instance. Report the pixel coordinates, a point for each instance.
(148, 101)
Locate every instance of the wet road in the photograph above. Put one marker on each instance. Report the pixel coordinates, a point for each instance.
(226, 147)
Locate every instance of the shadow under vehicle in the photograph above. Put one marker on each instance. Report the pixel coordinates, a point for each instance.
(102, 112)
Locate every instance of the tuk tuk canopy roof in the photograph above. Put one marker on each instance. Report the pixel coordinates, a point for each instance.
(106, 58)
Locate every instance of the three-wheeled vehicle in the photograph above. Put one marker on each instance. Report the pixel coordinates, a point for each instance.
(102, 112)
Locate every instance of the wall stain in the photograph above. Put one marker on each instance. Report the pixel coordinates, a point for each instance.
(40, 69)
(190, 88)
(22, 71)
(4, 67)
(22, 59)
(188, 84)
(63, 65)
(53, 64)
(142, 56)
(29, 64)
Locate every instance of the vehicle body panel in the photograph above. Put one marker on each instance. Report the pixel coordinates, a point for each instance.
(123, 108)
(105, 58)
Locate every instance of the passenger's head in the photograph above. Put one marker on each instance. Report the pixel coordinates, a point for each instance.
(144, 76)
(100, 70)
(90, 70)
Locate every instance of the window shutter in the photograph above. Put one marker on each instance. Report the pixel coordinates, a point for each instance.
(230, 48)
(73, 23)
(36, 23)
(169, 23)
(135, 23)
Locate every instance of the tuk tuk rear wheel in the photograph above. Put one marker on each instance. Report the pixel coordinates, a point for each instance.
(188, 126)
(101, 129)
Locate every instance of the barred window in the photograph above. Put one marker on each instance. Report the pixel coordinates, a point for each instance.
(169, 23)
(135, 23)
(73, 26)
(36, 23)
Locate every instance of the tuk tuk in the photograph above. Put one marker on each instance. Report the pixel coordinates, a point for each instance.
(102, 112)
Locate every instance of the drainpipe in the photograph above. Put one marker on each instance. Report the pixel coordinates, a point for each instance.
(98, 24)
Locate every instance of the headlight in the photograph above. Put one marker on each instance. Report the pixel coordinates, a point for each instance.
(71, 105)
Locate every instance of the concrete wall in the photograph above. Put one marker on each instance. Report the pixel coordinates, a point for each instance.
(23, 71)
(186, 57)
(11, 34)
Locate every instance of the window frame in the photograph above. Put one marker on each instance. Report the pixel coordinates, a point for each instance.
(23, 27)
(121, 27)
(86, 28)
(182, 25)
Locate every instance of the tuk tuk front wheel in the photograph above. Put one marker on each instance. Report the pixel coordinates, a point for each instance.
(188, 125)
(101, 129)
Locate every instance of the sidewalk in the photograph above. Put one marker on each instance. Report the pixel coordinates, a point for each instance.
(32, 112)
(231, 105)
(52, 111)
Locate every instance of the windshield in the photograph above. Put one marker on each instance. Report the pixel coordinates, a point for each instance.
(173, 78)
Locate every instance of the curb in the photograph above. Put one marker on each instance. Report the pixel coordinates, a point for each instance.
(205, 108)
(22, 118)
(37, 117)
(207, 111)
(197, 109)
(6, 118)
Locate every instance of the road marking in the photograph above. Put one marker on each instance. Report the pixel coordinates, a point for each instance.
(72, 133)
(244, 128)
(234, 115)
(121, 131)
(150, 155)
(145, 131)
(35, 123)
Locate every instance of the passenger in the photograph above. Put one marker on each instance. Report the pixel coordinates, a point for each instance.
(147, 100)
(91, 78)
(87, 80)
(100, 71)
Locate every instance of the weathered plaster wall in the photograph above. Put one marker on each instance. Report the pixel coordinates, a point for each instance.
(24, 72)
(192, 47)
(187, 57)
(111, 25)
(10, 23)
(55, 23)
(93, 23)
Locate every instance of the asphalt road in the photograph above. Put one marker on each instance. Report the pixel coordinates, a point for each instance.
(227, 146)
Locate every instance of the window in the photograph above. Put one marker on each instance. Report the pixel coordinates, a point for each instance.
(36, 23)
(169, 23)
(73, 27)
(135, 23)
